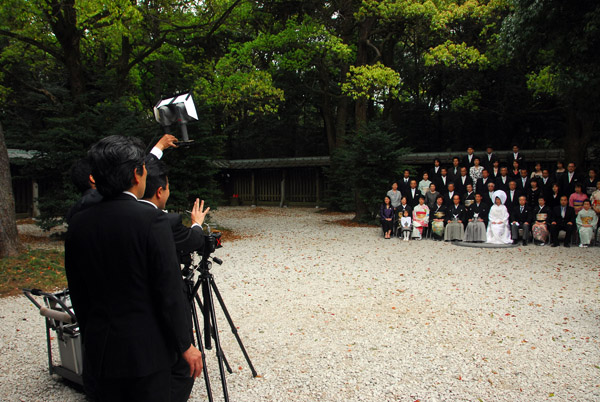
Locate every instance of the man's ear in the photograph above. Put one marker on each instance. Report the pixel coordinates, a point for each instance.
(91, 179)
(159, 192)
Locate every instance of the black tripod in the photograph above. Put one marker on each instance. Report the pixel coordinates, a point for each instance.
(207, 283)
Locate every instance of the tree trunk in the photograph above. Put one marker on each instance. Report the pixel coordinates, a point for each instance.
(579, 135)
(9, 237)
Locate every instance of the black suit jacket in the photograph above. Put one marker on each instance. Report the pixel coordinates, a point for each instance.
(448, 199)
(481, 187)
(533, 196)
(568, 187)
(511, 158)
(410, 200)
(453, 175)
(404, 187)
(520, 185)
(500, 185)
(488, 163)
(569, 216)
(125, 286)
(460, 211)
(460, 186)
(466, 163)
(512, 202)
(440, 185)
(433, 175)
(89, 198)
(546, 187)
(517, 216)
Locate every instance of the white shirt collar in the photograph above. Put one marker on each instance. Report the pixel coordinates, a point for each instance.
(130, 193)
(149, 202)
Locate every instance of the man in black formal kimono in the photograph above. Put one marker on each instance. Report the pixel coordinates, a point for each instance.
(413, 194)
(480, 208)
(125, 283)
(520, 218)
(468, 197)
(563, 218)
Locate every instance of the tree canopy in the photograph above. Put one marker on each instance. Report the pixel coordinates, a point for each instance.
(295, 78)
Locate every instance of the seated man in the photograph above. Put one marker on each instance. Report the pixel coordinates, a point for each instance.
(437, 218)
(469, 197)
(477, 218)
(455, 219)
(520, 217)
(563, 218)
(542, 216)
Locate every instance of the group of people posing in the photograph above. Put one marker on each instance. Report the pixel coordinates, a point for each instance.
(481, 199)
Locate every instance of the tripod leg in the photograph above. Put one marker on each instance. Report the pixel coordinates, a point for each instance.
(232, 325)
(219, 351)
(207, 307)
(201, 347)
(212, 332)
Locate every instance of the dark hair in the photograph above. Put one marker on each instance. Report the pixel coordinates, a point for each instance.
(437, 159)
(485, 170)
(455, 157)
(80, 174)
(157, 176)
(114, 160)
(438, 197)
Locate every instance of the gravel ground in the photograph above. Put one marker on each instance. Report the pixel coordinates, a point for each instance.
(335, 313)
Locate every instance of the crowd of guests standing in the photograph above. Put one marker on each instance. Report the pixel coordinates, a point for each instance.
(486, 199)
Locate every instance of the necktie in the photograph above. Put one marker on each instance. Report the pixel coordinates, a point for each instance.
(521, 209)
(562, 212)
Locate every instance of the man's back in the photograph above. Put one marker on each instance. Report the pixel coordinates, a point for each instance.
(120, 260)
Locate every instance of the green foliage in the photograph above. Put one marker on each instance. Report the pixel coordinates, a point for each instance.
(363, 170)
(455, 55)
(543, 82)
(371, 82)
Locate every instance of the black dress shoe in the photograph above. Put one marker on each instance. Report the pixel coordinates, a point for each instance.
(554, 245)
(524, 243)
(567, 245)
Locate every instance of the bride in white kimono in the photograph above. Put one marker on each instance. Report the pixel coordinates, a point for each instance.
(498, 231)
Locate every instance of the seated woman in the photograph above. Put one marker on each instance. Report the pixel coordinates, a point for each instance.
(543, 217)
(586, 220)
(420, 218)
(406, 225)
(437, 218)
(455, 229)
(386, 214)
(498, 231)
(477, 216)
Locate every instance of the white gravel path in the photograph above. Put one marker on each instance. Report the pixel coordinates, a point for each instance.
(334, 313)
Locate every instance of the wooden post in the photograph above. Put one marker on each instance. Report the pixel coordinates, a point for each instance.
(253, 190)
(35, 197)
(282, 188)
(318, 181)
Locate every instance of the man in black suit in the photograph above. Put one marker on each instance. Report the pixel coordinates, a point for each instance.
(515, 156)
(436, 171)
(404, 183)
(512, 196)
(413, 194)
(442, 181)
(520, 217)
(569, 179)
(467, 160)
(488, 196)
(523, 181)
(502, 180)
(81, 175)
(454, 171)
(449, 195)
(125, 283)
(187, 240)
(563, 218)
(546, 183)
(481, 184)
(489, 158)
(463, 180)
